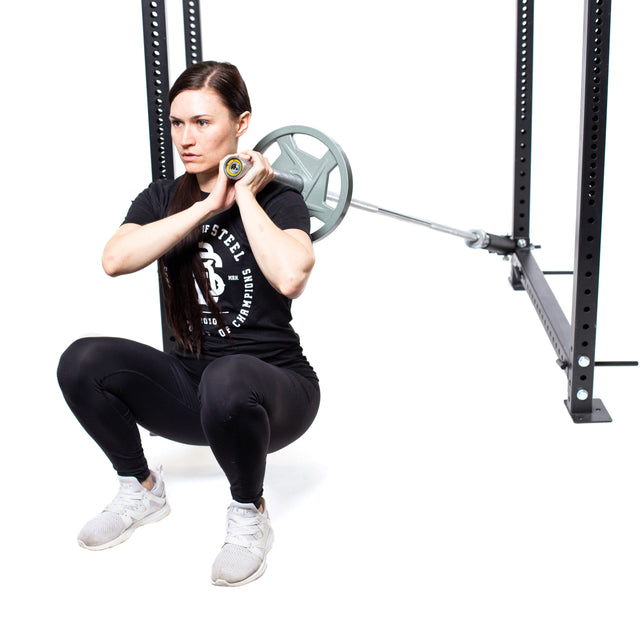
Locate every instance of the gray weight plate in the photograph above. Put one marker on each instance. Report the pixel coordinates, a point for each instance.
(315, 169)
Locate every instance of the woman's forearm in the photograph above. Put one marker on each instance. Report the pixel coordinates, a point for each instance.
(285, 257)
(134, 247)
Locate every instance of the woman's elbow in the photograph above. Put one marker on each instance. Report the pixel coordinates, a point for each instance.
(292, 290)
(294, 285)
(111, 265)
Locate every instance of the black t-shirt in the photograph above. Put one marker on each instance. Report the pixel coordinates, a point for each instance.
(257, 317)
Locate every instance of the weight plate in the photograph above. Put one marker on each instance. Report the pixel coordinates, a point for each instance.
(315, 169)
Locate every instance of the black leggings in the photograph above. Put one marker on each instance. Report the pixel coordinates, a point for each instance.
(240, 406)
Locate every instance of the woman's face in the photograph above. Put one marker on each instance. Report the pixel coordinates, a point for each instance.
(204, 131)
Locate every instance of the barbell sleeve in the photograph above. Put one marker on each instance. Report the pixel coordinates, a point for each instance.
(290, 179)
(236, 167)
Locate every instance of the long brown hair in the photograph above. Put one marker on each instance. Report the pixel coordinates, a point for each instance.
(181, 267)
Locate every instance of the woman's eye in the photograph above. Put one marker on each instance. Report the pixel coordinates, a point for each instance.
(175, 123)
(203, 123)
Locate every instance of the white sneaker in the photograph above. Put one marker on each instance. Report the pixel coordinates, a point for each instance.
(132, 507)
(243, 557)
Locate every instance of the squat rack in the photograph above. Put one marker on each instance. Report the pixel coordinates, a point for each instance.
(574, 342)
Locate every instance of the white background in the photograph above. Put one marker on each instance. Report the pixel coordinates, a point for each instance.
(443, 491)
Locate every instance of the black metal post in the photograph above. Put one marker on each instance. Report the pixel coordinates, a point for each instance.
(597, 28)
(192, 31)
(157, 72)
(523, 122)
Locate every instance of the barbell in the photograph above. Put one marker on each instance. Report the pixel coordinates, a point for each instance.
(314, 170)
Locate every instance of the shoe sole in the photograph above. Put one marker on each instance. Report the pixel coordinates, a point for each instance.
(127, 533)
(254, 576)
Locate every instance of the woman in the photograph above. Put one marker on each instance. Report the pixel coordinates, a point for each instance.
(232, 256)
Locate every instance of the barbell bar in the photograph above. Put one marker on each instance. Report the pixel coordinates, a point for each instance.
(310, 174)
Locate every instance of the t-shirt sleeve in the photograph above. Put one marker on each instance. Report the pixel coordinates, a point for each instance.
(150, 205)
(287, 208)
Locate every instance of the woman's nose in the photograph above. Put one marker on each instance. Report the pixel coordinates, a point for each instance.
(187, 136)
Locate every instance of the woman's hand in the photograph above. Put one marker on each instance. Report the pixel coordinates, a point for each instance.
(223, 195)
(258, 177)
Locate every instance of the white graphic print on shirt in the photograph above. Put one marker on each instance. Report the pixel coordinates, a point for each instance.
(211, 262)
(229, 279)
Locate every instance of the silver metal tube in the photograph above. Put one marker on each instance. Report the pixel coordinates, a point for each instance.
(236, 167)
(290, 179)
(470, 236)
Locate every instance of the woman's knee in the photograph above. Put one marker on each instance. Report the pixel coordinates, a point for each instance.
(78, 361)
(229, 387)
(231, 375)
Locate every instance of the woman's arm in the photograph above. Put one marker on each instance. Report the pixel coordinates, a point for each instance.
(285, 257)
(134, 246)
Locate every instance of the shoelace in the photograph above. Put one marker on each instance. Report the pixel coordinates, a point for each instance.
(127, 498)
(241, 526)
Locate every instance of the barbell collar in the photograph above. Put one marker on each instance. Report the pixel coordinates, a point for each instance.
(481, 241)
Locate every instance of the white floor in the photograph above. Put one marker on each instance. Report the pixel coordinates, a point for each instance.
(444, 491)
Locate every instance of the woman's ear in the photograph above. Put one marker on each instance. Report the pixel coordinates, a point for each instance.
(243, 123)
